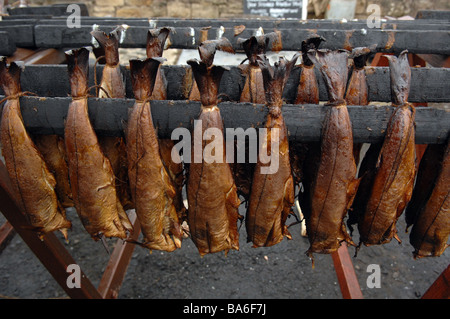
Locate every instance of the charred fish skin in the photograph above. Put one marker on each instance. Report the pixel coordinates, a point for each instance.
(394, 178)
(272, 192)
(113, 86)
(212, 195)
(29, 174)
(334, 184)
(151, 187)
(91, 175)
(431, 228)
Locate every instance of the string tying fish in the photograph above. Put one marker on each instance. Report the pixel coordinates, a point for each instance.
(18, 95)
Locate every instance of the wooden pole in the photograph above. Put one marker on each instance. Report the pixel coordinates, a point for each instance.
(346, 273)
(440, 289)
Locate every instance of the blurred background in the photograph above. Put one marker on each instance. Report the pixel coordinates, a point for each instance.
(214, 9)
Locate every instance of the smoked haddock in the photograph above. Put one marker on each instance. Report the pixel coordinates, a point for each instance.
(30, 177)
(431, 225)
(212, 196)
(91, 175)
(253, 92)
(272, 191)
(113, 86)
(53, 150)
(151, 187)
(334, 184)
(395, 168)
(156, 40)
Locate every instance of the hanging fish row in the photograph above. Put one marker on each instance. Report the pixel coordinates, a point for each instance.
(102, 177)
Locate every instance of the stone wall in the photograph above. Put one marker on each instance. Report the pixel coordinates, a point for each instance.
(234, 8)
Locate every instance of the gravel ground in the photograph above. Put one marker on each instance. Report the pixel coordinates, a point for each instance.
(278, 272)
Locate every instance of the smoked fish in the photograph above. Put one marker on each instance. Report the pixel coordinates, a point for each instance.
(151, 187)
(253, 92)
(305, 156)
(91, 175)
(113, 86)
(427, 174)
(395, 169)
(156, 40)
(429, 209)
(308, 87)
(334, 184)
(431, 228)
(213, 202)
(272, 191)
(30, 176)
(53, 150)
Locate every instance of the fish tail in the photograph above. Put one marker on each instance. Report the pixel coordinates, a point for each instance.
(400, 74)
(78, 68)
(10, 77)
(156, 40)
(143, 76)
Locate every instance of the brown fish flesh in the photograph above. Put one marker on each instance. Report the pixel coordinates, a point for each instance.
(213, 202)
(53, 150)
(305, 156)
(253, 92)
(334, 184)
(91, 175)
(272, 192)
(427, 174)
(308, 87)
(113, 86)
(431, 229)
(30, 176)
(395, 169)
(358, 94)
(151, 187)
(156, 39)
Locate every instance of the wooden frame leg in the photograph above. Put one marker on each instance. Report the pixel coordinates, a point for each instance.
(6, 234)
(346, 273)
(440, 289)
(118, 263)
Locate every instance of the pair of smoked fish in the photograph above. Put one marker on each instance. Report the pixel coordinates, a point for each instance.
(212, 191)
(153, 178)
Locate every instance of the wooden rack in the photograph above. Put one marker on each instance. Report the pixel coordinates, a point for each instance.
(46, 28)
